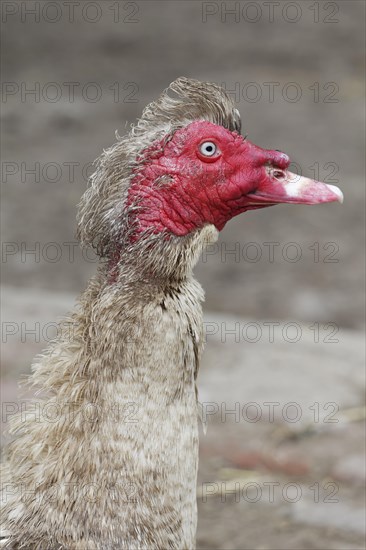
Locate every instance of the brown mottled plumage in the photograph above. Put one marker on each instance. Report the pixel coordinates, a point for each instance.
(109, 457)
(122, 375)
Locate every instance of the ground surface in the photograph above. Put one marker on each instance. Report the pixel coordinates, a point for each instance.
(318, 57)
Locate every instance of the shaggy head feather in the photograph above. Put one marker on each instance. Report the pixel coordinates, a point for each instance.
(102, 214)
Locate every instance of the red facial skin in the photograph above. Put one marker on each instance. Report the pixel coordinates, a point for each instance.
(198, 190)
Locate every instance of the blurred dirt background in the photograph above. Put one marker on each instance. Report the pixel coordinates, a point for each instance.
(296, 71)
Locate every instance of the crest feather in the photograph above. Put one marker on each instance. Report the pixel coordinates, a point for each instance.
(186, 100)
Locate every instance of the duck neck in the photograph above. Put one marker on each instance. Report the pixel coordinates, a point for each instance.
(158, 258)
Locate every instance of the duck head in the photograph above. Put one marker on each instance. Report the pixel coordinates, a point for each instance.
(207, 174)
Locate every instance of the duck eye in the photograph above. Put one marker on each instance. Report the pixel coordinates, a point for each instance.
(208, 148)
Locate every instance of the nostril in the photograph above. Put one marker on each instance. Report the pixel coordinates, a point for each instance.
(276, 173)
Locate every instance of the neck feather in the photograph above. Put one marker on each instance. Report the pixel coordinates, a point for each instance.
(159, 257)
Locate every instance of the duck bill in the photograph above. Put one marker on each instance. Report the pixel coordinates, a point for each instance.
(293, 189)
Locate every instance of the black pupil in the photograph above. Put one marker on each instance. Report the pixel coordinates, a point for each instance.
(209, 148)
